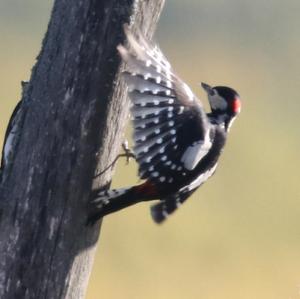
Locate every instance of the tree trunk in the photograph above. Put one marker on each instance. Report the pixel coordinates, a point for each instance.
(72, 120)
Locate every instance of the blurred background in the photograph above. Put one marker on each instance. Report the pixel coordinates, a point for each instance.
(238, 237)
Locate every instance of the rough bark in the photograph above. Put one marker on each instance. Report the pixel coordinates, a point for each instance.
(73, 114)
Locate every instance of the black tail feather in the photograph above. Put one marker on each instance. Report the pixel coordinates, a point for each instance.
(161, 211)
(110, 201)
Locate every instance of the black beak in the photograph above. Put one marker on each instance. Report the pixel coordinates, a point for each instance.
(206, 87)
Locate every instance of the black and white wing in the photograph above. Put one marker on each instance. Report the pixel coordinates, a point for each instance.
(171, 130)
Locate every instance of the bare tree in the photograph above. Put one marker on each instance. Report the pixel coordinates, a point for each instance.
(71, 123)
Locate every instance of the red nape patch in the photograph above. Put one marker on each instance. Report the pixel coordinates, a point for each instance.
(147, 189)
(236, 105)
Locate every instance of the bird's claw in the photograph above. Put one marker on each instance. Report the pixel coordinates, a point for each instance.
(128, 153)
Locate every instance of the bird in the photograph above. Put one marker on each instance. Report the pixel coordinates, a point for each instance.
(176, 143)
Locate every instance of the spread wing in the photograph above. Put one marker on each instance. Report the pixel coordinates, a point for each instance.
(171, 130)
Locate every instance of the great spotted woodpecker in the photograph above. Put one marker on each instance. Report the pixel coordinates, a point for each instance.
(176, 144)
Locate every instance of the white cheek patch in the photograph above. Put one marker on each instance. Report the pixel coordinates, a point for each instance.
(217, 102)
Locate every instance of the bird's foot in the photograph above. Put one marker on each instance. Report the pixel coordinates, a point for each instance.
(128, 153)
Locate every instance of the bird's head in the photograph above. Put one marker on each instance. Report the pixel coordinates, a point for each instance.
(225, 104)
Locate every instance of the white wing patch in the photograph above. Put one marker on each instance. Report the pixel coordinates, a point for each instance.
(196, 152)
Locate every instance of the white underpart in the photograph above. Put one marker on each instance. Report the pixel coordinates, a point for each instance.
(194, 153)
(199, 180)
(217, 102)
